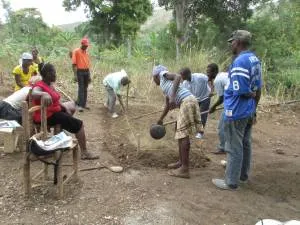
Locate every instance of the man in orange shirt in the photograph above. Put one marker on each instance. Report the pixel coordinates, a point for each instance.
(81, 65)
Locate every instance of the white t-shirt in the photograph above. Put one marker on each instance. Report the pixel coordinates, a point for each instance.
(220, 83)
(16, 99)
(114, 80)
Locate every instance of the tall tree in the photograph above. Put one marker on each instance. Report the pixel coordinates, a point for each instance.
(179, 10)
(226, 14)
(27, 25)
(114, 21)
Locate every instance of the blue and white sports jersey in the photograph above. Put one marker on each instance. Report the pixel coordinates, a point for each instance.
(245, 77)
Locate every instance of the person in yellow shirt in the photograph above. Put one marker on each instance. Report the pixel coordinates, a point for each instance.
(23, 72)
(36, 58)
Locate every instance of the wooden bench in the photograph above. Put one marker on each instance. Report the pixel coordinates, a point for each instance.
(12, 139)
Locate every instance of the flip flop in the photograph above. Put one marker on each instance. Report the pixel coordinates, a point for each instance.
(176, 173)
(175, 165)
(88, 156)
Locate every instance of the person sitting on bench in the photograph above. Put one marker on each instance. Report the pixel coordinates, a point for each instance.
(57, 114)
(11, 107)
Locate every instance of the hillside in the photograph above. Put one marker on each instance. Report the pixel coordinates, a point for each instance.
(70, 27)
(157, 21)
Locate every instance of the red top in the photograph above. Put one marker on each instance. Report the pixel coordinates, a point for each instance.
(54, 107)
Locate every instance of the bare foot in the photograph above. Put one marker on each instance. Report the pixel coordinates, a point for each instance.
(180, 172)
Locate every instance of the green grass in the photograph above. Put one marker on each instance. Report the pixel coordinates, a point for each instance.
(278, 85)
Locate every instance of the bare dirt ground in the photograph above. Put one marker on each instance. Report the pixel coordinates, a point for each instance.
(144, 194)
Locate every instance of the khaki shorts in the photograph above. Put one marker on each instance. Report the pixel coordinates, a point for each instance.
(188, 118)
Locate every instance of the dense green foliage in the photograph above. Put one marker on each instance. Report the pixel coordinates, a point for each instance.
(113, 22)
(25, 29)
(225, 15)
(276, 29)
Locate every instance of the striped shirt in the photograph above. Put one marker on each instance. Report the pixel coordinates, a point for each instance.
(167, 88)
(198, 86)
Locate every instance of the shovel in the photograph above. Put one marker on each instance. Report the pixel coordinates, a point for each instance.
(115, 169)
(158, 131)
(174, 121)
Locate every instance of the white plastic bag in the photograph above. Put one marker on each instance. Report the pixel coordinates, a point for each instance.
(276, 222)
(269, 222)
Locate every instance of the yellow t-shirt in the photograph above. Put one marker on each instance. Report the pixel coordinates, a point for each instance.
(24, 77)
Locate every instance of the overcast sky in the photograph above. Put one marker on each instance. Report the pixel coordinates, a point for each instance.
(52, 11)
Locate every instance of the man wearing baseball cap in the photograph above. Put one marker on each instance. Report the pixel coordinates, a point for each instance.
(24, 71)
(81, 65)
(241, 97)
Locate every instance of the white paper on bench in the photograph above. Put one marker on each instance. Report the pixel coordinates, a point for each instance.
(9, 124)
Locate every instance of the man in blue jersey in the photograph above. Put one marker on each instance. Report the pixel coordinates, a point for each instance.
(241, 97)
(187, 119)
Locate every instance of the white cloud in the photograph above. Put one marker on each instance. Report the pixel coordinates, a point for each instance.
(52, 11)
